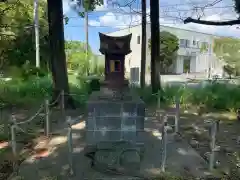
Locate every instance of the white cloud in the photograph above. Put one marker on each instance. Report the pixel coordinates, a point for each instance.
(71, 4)
(116, 20)
(127, 19)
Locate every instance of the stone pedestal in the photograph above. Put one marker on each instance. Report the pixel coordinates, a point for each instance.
(114, 116)
(114, 126)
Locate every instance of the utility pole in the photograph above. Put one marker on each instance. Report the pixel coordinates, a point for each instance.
(143, 45)
(36, 28)
(86, 31)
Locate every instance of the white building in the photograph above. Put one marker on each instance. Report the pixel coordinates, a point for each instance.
(189, 60)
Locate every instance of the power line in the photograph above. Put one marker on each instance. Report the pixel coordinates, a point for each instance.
(210, 8)
(120, 25)
(119, 11)
(190, 3)
(165, 11)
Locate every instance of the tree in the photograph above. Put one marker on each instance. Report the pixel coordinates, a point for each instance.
(82, 7)
(143, 44)
(88, 5)
(237, 6)
(58, 57)
(155, 45)
(75, 55)
(17, 32)
(57, 61)
(229, 70)
(215, 23)
(227, 49)
(169, 45)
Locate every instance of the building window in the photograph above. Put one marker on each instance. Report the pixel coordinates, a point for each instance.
(194, 43)
(138, 39)
(134, 75)
(184, 43)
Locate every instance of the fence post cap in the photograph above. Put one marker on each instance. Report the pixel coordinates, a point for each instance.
(165, 117)
(207, 121)
(68, 119)
(13, 118)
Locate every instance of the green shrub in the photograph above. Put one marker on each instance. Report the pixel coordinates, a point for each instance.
(31, 72)
(214, 96)
(25, 91)
(94, 85)
(34, 90)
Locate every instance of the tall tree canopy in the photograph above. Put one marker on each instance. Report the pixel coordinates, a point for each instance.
(17, 44)
(228, 49)
(169, 44)
(17, 33)
(75, 54)
(88, 5)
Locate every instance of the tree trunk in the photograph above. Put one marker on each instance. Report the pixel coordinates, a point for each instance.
(143, 45)
(155, 45)
(57, 62)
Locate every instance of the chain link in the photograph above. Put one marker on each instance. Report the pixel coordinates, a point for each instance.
(56, 100)
(20, 129)
(33, 117)
(79, 95)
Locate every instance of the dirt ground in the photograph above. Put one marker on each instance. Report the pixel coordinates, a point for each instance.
(29, 134)
(193, 128)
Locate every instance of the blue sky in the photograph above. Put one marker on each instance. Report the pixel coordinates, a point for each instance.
(109, 18)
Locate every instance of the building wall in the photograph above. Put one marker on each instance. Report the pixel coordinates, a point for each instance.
(200, 62)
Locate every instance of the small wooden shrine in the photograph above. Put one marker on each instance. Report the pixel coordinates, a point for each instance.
(115, 49)
(115, 121)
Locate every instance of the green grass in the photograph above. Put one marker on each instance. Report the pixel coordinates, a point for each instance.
(34, 90)
(216, 96)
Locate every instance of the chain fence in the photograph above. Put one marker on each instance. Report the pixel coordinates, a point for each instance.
(214, 127)
(16, 126)
(45, 109)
